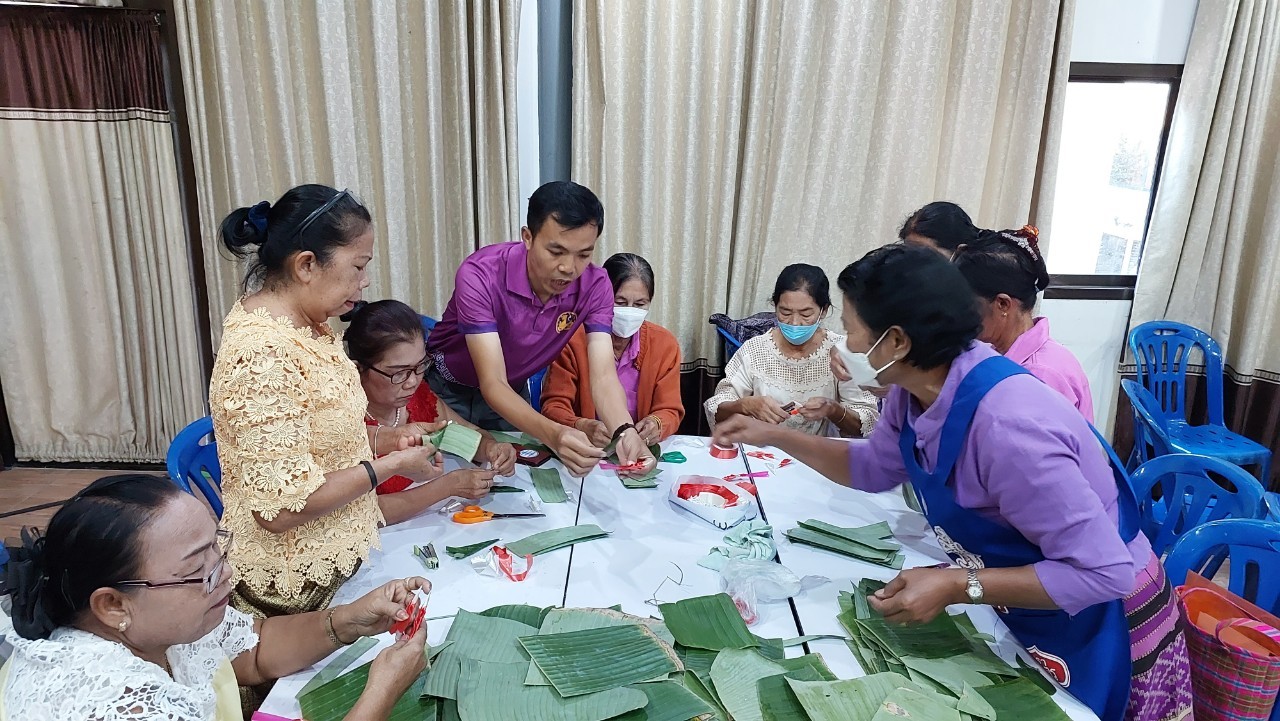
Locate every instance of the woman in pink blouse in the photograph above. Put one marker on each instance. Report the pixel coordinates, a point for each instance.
(1007, 271)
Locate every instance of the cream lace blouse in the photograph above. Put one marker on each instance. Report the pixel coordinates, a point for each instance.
(287, 409)
(760, 369)
(76, 675)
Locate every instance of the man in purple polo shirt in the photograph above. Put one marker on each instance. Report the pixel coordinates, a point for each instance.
(514, 308)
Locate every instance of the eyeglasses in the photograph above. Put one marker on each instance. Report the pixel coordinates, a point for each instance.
(402, 375)
(315, 214)
(210, 581)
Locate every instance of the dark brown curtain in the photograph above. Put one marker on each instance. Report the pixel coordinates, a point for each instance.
(1250, 409)
(698, 381)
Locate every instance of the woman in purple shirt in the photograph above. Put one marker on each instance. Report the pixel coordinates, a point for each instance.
(1014, 482)
(1007, 271)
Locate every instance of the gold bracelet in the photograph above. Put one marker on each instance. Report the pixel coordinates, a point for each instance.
(333, 635)
(844, 415)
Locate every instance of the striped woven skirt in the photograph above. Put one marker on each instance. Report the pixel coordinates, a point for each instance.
(1161, 685)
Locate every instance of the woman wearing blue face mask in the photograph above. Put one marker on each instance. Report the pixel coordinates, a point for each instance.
(784, 376)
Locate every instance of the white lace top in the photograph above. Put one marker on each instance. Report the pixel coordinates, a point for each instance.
(77, 676)
(760, 369)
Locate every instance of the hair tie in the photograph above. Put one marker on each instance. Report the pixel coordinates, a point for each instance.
(258, 216)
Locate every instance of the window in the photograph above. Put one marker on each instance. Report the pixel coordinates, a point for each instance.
(1115, 124)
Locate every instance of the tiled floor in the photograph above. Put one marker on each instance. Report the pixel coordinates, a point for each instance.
(25, 487)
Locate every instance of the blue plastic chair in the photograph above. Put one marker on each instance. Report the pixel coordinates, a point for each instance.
(535, 389)
(1149, 438)
(1162, 350)
(1193, 490)
(1253, 548)
(731, 344)
(190, 458)
(428, 325)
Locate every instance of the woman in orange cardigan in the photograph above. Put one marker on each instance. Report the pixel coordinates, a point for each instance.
(647, 355)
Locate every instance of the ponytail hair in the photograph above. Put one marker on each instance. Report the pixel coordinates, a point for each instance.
(1005, 262)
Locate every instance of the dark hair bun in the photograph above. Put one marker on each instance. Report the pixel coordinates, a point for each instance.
(355, 309)
(244, 230)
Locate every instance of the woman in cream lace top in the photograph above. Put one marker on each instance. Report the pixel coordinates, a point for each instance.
(297, 472)
(790, 366)
(94, 641)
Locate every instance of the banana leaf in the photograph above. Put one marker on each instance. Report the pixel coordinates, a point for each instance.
(1035, 675)
(549, 485)
(947, 673)
(972, 703)
(334, 668)
(708, 622)
(501, 488)
(701, 689)
(530, 615)
(333, 700)
(448, 710)
(648, 480)
(735, 674)
(872, 536)
(1021, 699)
(843, 546)
(469, 550)
(855, 699)
(668, 701)
(475, 637)
(909, 703)
(809, 663)
(456, 439)
(504, 437)
(777, 701)
(599, 659)
(773, 649)
(556, 538)
(566, 620)
(697, 661)
(492, 691)
(938, 638)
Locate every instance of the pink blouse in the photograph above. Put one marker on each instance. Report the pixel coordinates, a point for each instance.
(1051, 362)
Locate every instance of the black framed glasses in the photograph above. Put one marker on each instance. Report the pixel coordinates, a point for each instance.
(315, 214)
(210, 581)
(403, 374)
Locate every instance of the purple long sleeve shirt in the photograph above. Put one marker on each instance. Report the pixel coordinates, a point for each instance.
(1029, 462)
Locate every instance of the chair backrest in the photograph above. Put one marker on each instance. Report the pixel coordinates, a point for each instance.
(1253, 548)
(731, 344)
(1180, 491)
(428, 325)
(192, 461)
(1162, 351)
(1150, 439)
(535, 389)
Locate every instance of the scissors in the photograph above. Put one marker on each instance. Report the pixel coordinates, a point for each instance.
(476, 514)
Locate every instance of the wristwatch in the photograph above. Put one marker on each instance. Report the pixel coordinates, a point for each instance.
(974, 587)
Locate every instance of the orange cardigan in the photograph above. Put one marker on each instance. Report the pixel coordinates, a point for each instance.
(566, 390)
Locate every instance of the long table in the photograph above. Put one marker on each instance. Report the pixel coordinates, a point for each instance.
(652, 546)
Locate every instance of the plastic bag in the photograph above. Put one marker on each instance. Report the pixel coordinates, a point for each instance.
(498, 562)
(750, 583)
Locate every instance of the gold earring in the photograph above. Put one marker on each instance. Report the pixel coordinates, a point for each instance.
(123, 625)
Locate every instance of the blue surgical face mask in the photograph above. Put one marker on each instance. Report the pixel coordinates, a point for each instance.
(797, 334)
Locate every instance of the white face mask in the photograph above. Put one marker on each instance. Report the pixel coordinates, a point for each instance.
(859, 364)
(626, 321)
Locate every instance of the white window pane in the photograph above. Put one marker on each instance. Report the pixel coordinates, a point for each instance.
(1110, 138)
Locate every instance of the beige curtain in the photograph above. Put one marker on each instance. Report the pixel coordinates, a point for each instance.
(1212, 255)
(729, 139)
(100, 360)
(410, 104)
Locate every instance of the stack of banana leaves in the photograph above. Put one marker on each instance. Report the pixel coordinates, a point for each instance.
(523, 663)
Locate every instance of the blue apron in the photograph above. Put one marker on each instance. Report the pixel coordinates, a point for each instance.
(1089, 653)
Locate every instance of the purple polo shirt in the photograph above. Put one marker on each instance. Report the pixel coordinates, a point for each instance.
(492, 295)
(1029, 462)
(1051, 362)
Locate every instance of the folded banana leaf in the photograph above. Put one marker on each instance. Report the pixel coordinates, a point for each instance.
(501, 488)
(951, 676)
(1035, 675)
(858, 698)
(735, 674)
(843, 546)
(549, 485)
(777, 701)
(874, 536)
(701, 688)
(456, 439)
(810, 663)
(469, 550)
(504, 437)
(475, 637)
(648, 480)
(531, 615)
(334, 668)
(972, 703)
(599, 659)
(708, 622)
(556, 538)
(334, 699)
(491, 691)
(1021, 699)
(668, 701)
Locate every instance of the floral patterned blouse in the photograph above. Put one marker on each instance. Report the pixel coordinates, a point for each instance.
(288, 408)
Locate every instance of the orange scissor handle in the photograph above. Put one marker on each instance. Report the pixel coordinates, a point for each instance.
(472, 514)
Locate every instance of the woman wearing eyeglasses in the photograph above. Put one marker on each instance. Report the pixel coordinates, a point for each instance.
(120, 611)
(288, 410)
(385, 341)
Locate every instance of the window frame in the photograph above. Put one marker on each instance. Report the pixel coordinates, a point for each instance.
(1120, 286)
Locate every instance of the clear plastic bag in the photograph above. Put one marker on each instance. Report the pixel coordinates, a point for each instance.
(498, 562)
(750, 583)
